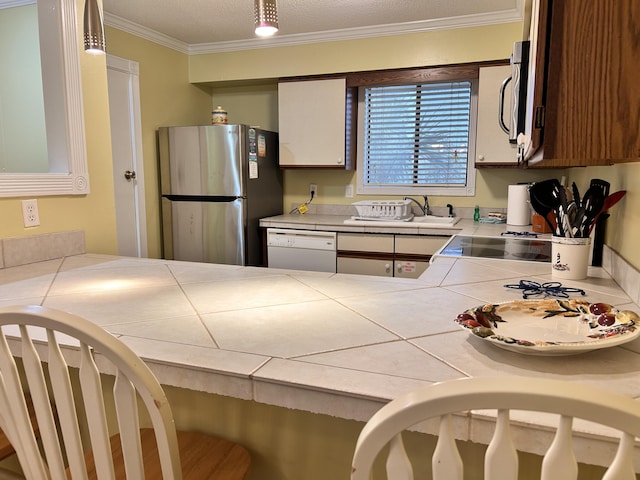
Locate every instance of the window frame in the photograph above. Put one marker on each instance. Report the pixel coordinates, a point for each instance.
(467, 72)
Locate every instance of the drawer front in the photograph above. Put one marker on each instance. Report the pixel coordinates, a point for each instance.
(365, 266)
(409, 269)
(419, 244)
(355, 242)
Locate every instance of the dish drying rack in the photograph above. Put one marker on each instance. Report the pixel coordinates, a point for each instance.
(383, 210)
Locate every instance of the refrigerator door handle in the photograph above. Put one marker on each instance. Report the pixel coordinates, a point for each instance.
(203, 198)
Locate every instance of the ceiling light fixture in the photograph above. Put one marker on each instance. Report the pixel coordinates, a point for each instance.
(266, 17)
(93, 28)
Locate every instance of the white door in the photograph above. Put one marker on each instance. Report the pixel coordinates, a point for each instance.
(126, 144)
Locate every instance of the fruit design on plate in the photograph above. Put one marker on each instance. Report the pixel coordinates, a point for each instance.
(602, 320)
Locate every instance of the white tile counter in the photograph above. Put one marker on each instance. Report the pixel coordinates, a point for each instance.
(334, 344)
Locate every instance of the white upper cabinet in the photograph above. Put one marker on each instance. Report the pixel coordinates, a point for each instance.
(492, 143)
(311, 116)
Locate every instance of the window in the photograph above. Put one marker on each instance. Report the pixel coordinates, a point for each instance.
(417, 138)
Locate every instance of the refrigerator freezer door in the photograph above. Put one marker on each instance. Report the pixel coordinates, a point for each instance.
(205, 160)
(209, 232)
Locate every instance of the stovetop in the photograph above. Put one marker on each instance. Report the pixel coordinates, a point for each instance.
(502, 248)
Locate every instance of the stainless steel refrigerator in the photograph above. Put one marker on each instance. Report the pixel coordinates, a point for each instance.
(217, 181)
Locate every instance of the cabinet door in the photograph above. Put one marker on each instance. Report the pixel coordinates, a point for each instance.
(593, 81)
(311, 116)
(592, 70)
(492, 143)
(366, 266)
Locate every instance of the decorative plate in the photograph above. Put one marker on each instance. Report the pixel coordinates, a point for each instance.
(551, 326)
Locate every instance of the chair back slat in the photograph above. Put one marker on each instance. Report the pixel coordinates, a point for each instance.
(398, 464)
(15, 416)
(622, 467)
(129, 426)
(560, 460)
(501, 458)
(42, 405)
(66, 409)
(94, 406)
(446, 463)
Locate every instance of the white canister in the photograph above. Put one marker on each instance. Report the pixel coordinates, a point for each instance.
(570, 257)
(518, 205)
(219, 116)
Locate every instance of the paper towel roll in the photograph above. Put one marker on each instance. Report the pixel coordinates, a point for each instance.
(518, 205)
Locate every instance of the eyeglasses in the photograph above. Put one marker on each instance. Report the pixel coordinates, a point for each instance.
(535, 289)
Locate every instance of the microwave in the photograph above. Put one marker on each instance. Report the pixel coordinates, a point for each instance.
(517, 80)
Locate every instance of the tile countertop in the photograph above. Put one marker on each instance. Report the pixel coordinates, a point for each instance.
(336, 344)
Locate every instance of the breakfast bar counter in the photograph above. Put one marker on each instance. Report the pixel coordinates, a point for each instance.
(331, 345)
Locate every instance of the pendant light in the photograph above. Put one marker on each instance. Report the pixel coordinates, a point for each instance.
(266, 17)
(93, 28)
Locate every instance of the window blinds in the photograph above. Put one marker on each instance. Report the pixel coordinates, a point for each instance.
(417, 134)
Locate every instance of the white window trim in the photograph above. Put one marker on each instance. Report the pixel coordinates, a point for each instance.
(468, 191)
(68, 169)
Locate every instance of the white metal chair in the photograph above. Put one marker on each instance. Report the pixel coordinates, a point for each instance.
(51, 345)
(502, 394)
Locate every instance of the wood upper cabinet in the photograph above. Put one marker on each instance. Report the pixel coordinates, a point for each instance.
(588, 102)
(312, 120)
(492, 143)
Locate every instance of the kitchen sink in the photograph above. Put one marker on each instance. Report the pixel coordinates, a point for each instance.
(433, 221)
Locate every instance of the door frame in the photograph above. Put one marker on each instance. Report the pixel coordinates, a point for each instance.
(131, 68)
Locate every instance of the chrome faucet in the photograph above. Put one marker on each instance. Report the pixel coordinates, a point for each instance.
(423, 208)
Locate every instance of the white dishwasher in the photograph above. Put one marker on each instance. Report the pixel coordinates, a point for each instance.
(301, 249)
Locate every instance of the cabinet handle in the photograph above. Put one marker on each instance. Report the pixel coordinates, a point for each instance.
(339, 161)
(387, 267)
(399, 268)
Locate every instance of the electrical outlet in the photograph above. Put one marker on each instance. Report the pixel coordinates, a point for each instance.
(313, 190)
(348, 191)
(30, 213)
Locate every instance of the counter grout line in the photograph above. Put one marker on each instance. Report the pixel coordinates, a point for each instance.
(436, 357)
(344, 349)
(55, 276)
(195, 310)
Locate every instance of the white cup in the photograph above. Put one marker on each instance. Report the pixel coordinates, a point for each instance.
(570, 257)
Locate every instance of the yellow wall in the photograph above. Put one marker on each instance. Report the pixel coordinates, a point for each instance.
(623, 227)
(419, 49)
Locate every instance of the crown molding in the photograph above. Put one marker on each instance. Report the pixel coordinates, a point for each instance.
(505, 16)
(144, 32)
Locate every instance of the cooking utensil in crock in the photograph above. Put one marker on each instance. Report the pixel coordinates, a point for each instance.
(602, 185)
(592, 202)
(544, 199)
(576, 194)
(563, 212)
(609, 202)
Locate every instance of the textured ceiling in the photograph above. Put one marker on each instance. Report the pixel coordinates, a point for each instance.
(195, 22)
